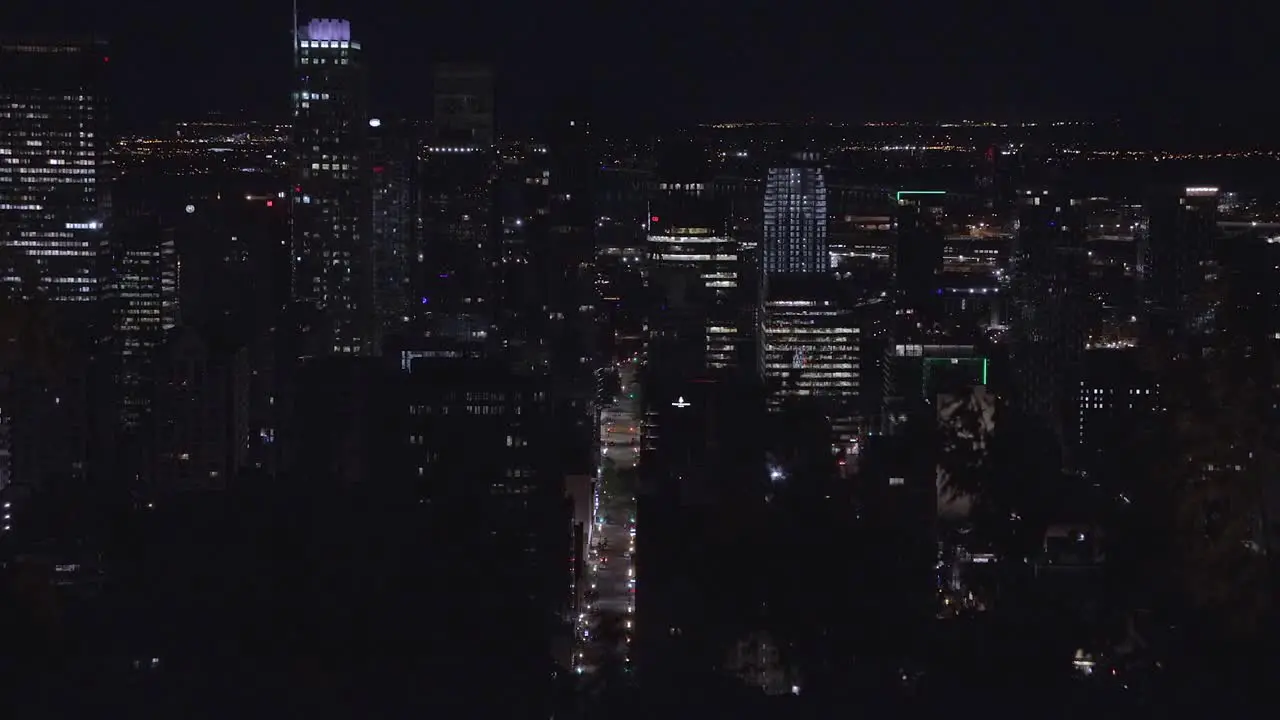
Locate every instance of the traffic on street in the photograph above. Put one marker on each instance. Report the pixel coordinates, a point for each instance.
(608, 621)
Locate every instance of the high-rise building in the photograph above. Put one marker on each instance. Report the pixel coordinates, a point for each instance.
(917, 254)
(455, 275)
(1116, 395)
(483, 455)
(332, 235)
(795, 218)
(463, 104)
(696, 266)
(397, 216)
(1048, 276)
(54, 195)
(1175, 250)
(54, 216)
(812, 350)
(140, 289)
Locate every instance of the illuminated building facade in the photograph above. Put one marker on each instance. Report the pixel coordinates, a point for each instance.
(141, 295)
(333, 250)
(795, 218)
(812, 352)
(698, 266)
(54, 200)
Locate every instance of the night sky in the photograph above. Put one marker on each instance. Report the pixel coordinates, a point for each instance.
(664, 62)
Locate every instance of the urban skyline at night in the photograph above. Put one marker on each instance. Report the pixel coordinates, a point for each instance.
(583, 361)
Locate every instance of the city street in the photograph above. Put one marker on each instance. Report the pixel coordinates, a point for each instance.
(606, 627)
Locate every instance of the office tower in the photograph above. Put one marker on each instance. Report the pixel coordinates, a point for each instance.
(812, 350)
(897, 494)
(795, 218)
(463, 105)
(140, 291)
(522, 197)
(54, 195)
(697, 269)
(1175, 251)
(397, 216)
(563, 260)
(484, 461)
(200, 439)
(54, 214)
(703, 472)
(332, 236)
(1048, 276)
(1116, 397)
(455, 275)
(236, 265)
(621, 210)
(917, 257)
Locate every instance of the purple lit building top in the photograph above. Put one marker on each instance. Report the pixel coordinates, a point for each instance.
(327, 29)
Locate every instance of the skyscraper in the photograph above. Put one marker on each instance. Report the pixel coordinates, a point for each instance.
(795, 218)
(333, 258)
(812, 349)
(141, 295)
(54, 200)
(463, 105)
(1175, 251)
(1048, 276)
(917, 256)
(54, 211)
(455, 274)
(397, 216)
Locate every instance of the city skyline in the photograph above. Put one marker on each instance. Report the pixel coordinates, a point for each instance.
(633, 361)
(660, 63)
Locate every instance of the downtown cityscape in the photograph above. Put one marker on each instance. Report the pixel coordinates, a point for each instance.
(507, 401)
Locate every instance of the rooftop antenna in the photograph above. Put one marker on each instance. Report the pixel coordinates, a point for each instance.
(295, 33)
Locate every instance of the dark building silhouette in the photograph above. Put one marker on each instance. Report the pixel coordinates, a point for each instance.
(397, 216)
(200, 422)
(1175, 253)
(482, 453)
(917, 255)
(463, 102)
(1048, 276)
(454, 279)
(1117, 398)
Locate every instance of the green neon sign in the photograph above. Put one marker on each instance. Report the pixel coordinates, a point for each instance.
(929, 362)
(900, 193)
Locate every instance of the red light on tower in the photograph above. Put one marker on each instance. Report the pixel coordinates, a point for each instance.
(271, 203)
(653, 219)
(106, 59)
